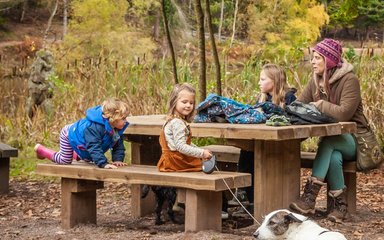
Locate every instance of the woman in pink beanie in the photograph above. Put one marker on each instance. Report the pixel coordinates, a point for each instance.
(335, 91)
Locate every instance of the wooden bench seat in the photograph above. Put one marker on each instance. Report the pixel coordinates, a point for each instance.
(79, 182)
(228, 157)
(6, 152)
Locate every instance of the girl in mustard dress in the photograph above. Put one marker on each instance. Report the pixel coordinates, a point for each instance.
(178, 153)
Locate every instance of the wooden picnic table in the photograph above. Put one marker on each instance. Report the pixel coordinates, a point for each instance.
(6, 152)
(277, 154)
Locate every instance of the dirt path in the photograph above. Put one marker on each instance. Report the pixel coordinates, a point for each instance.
(32, 211)
(10, 44)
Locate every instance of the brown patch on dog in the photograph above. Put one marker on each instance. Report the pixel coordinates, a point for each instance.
(278, 224)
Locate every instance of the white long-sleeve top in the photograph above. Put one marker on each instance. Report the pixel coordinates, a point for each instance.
(176, 133)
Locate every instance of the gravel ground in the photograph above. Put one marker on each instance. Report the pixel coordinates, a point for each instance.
(32, 211)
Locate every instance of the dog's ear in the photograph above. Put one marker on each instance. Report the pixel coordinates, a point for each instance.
(290, 218)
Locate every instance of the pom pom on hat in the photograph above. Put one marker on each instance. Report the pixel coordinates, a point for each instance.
(331, 50)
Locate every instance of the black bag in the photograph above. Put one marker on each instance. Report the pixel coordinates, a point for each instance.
(304, 113)
(369, 154)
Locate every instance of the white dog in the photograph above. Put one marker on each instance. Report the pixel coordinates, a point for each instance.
(284, 224)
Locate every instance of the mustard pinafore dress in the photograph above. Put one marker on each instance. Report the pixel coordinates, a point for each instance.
(174, 161)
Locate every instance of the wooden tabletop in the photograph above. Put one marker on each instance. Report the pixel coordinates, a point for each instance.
(152, 124)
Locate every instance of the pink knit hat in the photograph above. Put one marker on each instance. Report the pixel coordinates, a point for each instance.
(331, 50)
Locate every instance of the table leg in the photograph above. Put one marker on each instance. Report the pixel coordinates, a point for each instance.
(350, 182)
(78, 201)
(145, 150)
(4, 175)
(277, 175)
(202, 210)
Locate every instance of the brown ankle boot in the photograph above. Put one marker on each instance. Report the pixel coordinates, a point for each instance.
(337, 206)
(307, 201)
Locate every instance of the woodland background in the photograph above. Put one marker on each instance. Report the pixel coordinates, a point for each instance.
(137, 49)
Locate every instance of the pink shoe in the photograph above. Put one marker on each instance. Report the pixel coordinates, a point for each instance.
(43, 152)
(75, 156)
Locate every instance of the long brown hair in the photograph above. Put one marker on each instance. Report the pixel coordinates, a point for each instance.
(175, 96)
(327, 74)
(279, 78)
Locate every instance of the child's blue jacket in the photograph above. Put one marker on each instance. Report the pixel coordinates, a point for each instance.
(92, 136)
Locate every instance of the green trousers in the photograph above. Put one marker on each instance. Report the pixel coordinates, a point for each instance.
(331, 153)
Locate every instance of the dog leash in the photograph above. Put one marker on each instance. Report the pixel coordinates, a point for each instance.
(234, 196)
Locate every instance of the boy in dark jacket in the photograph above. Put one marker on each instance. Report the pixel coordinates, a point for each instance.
(90, 137)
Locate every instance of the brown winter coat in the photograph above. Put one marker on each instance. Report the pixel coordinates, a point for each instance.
(347, 104)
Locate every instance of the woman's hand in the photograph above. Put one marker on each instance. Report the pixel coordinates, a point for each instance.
(207, 154)
(119, 164)
(110, 166)
(317, 103)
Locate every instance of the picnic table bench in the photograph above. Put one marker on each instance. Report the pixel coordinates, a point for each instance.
(228, 157)
(6, 152)
(203, 201)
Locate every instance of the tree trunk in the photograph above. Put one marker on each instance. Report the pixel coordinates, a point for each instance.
(190, 7)
(234, 23)
(169, 40)
(214, 49)
(65, 17)
(50, 22)
(367, 33)
(221, 19)
(156, 27)
(25, 6)
(347, 33)
(202, 63)
(190, 13)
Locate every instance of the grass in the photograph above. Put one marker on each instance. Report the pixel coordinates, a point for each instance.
(146, 89)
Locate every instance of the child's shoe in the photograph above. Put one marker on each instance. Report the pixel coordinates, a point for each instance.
(43, 152)
(76, 156)
(224, 215)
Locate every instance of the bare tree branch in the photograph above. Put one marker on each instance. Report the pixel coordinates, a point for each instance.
(221, 19)
(65, 17)
(234, 23)
(214, 49)
(8, 4)
(50, 21)
(169, 40)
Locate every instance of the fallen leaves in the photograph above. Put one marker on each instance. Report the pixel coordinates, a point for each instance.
(32, 211)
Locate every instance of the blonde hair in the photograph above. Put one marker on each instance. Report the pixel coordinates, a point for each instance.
(114, 109)
(175, 96)
(279, 78)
